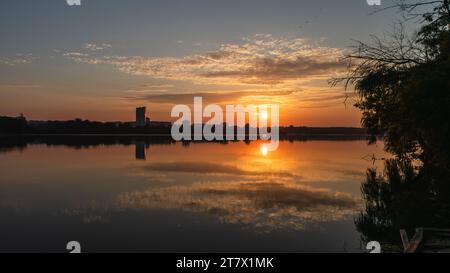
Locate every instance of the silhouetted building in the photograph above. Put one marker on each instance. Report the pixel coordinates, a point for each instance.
(140, 117)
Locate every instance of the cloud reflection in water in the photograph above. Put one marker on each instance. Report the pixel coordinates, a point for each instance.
(264, 206)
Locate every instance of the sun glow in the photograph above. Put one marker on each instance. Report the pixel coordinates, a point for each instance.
(264, 150)
(264, 115)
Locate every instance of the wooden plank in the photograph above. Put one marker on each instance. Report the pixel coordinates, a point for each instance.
(405, 240)
(427, 239)
(415, 241)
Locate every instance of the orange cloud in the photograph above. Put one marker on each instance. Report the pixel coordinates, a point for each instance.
(261, 60)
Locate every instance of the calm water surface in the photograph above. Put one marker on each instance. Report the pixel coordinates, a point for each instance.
(201, 197)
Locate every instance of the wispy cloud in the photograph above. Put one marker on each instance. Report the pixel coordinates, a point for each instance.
(75, 54)
(94, 47)
(264, 206)
(18, 59)
(157, 86)
(209, 168)
(261, 60)
(216, 97)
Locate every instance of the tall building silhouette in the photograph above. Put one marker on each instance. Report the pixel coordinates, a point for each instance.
(140, 117)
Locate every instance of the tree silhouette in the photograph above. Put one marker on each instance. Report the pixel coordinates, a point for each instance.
(403, 87)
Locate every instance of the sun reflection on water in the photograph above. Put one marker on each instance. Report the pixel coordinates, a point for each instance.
(264, 150)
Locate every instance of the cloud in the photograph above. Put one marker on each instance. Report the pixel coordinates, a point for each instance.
(261, 60)
(265, 206)
(209, 168)
(151, 88)
(75, 54)
(262, 205)
(216, 97)
(157, 86)
(18, 59)
(94, 47)
(274, 71)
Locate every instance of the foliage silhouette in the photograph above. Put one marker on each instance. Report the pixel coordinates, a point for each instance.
(403, 84)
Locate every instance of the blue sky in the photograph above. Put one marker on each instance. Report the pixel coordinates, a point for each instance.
(155, 27)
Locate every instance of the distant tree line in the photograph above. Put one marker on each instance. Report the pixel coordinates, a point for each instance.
(13, 124)
(19, 125)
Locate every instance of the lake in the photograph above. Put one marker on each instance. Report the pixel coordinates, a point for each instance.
(144, 195)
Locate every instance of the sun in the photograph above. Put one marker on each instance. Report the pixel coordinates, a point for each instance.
(264, 115)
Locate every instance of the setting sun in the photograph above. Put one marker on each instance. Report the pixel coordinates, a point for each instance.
(264, 115)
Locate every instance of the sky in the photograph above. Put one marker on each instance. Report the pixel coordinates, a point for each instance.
(102, 59)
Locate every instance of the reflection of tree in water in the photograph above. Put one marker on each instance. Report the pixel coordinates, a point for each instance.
(403, 198)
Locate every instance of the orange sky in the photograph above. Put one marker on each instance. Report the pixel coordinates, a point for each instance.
(261, 69)
(59, 62)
